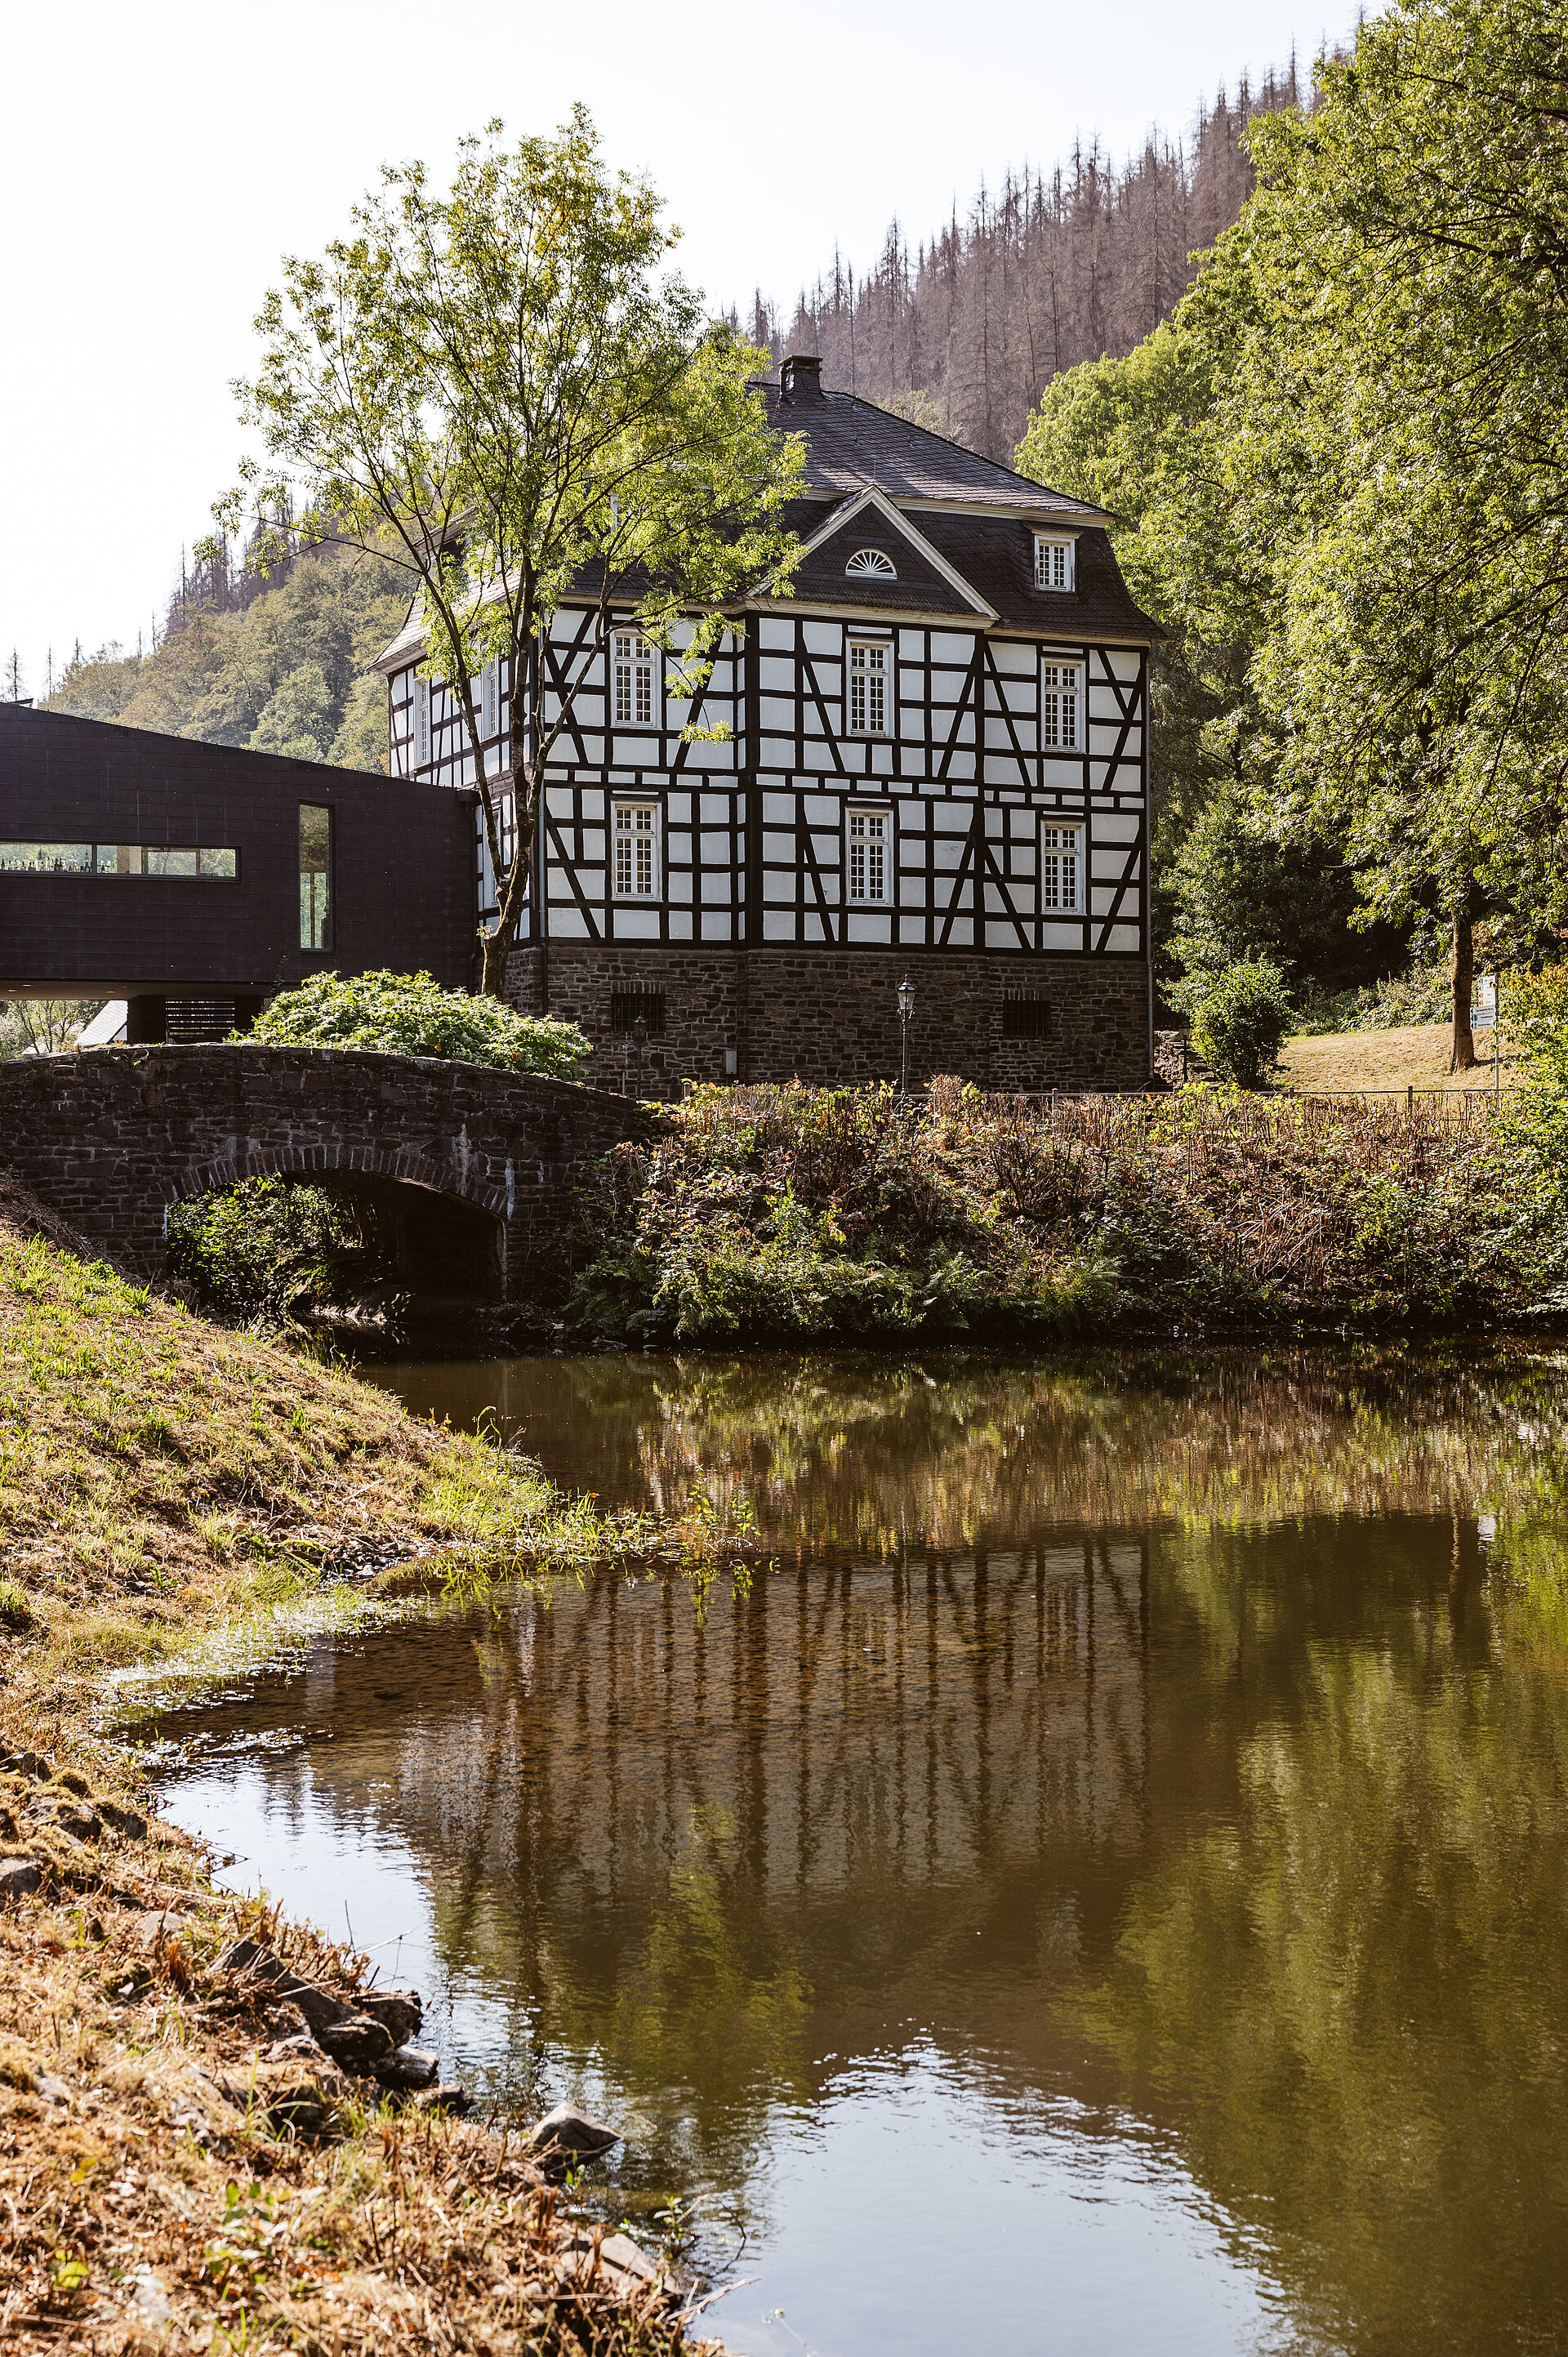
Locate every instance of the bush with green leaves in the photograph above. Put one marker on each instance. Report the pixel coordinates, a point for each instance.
(1242, 1020)
(252, 1255)
(411, 1015)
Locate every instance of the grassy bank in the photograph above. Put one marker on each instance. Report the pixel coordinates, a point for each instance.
(171, 2177)
(787, 1213)
(160, 1475)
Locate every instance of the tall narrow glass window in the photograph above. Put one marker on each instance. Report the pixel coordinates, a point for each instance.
(867, 688)
(633, 664)
(315, 877)
(868, 840)
(637, 851)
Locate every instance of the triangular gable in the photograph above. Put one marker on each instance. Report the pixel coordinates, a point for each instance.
(871, 498)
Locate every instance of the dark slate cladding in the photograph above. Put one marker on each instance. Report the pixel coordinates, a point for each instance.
(402, 865)
(852, 442)
(998, 560)
(919, 590)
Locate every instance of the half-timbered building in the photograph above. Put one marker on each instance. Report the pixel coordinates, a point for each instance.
(936, 767)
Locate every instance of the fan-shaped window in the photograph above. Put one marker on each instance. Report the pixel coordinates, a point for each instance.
(871, 564)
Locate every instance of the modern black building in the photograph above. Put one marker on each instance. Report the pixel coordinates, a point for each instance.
(195, 880)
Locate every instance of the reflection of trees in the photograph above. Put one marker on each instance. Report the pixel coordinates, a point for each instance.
(867, 1454)
(1352, 1989)
(1272, 1804)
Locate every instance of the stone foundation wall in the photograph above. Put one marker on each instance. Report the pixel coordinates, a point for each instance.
(831, 1016)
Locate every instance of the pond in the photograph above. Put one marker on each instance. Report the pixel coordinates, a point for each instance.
(1100, 1885)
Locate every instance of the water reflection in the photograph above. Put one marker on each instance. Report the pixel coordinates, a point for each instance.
(1075, 1898)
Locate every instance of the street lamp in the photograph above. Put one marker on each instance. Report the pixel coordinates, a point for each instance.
(906, 1009)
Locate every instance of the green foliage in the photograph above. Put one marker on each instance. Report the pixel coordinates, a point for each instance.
(43, 1025)
(297, 717)
(251, 1255)
(1236, 889)
(1241, 1018)
(411, 1015)
(332, 611)
(508, 391)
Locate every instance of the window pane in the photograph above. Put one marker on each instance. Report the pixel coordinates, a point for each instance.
(218, 863)
(167, 859)
(315, 877)
(46, 858)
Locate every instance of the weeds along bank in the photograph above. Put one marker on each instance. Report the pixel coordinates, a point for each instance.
(181, 2167)
(783, 1213)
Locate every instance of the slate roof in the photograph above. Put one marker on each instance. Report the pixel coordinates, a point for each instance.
(997, 559)
(852, 442)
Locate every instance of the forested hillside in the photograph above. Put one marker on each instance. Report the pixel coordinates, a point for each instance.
(282, 665)
(1051, 269)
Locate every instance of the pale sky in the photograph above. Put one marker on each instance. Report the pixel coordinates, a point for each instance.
(155, 162)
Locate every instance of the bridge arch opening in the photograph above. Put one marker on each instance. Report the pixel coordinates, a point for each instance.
(386, 1244)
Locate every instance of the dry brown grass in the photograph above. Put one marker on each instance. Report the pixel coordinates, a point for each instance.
(1415, 1056)
(152, 2194)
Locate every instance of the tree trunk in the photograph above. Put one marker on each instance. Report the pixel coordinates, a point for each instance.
(514, 895)
(1464, 1055)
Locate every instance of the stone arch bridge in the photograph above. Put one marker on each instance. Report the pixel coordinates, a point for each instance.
(471, 1170)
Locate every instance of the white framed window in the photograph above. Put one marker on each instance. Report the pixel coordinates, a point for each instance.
(637, 851)
(1053, 562)
(421, 723)
(1061, 869)
(869, 862)
(871, 564)
(868, 672)
(631, 660)
(1061, 697)
(490, 701)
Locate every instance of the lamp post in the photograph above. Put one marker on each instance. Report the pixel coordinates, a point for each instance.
(906, 1009)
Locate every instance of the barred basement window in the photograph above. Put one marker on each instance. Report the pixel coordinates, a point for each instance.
(1059, 701)
(1026, 1015)
(637, 851)
(1053, 563)
(198, 1022)
(1061, 869)
(867, 688)
(633, 667)
(630, 1007)
(870, 841)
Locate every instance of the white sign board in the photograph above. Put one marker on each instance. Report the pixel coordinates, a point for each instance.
(1484, 1015)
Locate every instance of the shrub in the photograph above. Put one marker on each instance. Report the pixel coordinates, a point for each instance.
(411, 1015)
(251, 1255)
(1241, 1020)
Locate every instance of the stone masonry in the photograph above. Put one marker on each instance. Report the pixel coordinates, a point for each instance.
(831, 1016)
(111, 1138)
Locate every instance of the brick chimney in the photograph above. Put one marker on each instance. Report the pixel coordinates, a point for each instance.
(801, 379)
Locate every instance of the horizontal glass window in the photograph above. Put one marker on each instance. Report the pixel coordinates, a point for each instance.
(212, 864)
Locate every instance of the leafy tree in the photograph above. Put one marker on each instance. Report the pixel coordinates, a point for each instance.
(1236, 890)
(42, 1026)
(1398, 439)
(294, 720)
(505, 392)
(411, 1015)
(361, 741)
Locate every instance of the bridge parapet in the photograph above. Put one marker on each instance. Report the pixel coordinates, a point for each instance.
(111, 1138)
